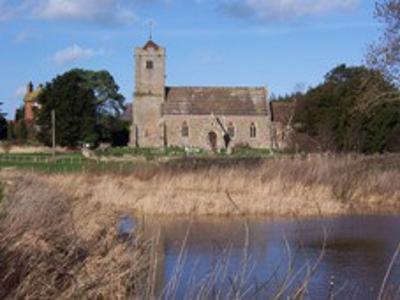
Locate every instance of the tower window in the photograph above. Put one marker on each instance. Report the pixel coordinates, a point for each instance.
(149, 64)
(253, 130)
(185, 129)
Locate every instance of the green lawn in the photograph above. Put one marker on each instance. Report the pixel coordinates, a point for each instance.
(76, 162)
(241, 152)
(151, 152)
(61, 163)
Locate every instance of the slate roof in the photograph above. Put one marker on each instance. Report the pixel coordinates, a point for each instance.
(282, 111)
(151, 44)
(237, 101)
(127, 114)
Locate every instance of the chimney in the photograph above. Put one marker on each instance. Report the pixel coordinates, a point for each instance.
(29, 88)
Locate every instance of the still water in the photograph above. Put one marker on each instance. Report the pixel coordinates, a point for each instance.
(343, 257)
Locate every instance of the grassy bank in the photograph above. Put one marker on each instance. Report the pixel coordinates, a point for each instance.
(119, 161)
(284, 186)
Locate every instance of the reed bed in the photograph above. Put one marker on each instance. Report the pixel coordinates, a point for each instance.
(59, 237)
(54, 246)
(60, 247)
(285, 186)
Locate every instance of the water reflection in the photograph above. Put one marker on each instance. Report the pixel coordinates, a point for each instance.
(357, 252)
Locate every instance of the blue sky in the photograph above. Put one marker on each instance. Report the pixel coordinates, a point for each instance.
(283, 44)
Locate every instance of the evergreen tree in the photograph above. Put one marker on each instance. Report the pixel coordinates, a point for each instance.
(10, 131)
(74, 104)
(109, 101)
(20, 113)
(109, 106)
(3, 125)
(355, 109)
(21, 132)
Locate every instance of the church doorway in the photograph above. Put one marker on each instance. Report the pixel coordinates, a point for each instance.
(212, 139)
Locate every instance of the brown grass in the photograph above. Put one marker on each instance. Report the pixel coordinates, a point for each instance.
(298, 186)
(58, 238)
(22, 149)
(55, 246)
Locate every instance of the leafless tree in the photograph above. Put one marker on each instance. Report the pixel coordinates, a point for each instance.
(384, 54)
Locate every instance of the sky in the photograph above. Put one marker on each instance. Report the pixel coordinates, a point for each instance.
(285, 45)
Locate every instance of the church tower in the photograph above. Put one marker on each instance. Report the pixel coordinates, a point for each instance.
(148, 126)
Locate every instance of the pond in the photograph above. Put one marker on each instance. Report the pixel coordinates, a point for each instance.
(341, 257)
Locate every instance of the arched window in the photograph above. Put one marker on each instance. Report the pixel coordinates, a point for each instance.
(185, 129)
(253, 130)
(231, 130)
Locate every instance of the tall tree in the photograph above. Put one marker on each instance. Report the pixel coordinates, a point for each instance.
(20, 113)
(109, 101)
(109, 105)
(385, 53)
(355, 109)
(75, 107)
(3, 125)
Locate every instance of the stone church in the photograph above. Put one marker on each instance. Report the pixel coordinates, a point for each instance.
(197, 117)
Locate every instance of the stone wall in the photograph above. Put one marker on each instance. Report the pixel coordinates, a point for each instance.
(155, 127)
(201, 126)
(150, 81)
(148, 127)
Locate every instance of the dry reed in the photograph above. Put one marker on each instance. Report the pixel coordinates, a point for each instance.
(289, 186)
(23, 149)
(54, 246)
(59, 238)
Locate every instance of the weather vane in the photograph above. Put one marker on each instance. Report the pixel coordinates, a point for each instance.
(151, 30)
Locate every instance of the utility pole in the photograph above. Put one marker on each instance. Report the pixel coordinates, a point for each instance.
(53, 131)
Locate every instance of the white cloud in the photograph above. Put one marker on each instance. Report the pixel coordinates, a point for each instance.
(112, 12)
(272, 10)
(105, 12)
(22, 37)
(98, 11)
(72, 54)
(6, 11)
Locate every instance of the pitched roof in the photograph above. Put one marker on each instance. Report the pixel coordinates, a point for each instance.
(215, 100)
(127, 114)
(282, 111)
(151, 44)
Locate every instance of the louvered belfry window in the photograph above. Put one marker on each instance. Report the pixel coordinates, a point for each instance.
(149, 65)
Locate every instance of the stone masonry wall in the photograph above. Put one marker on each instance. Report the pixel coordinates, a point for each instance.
(148, 126)
(150, 81)
(201, 126)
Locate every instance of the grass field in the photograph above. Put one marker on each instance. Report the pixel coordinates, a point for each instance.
(61, 163)
(239, 152)
(119, 160)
